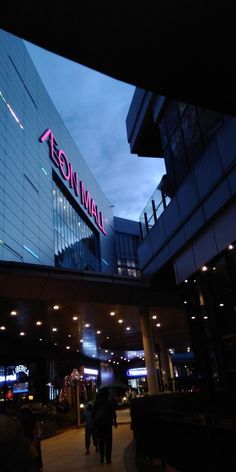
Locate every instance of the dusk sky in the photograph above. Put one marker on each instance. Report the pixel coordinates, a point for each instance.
(94, 108)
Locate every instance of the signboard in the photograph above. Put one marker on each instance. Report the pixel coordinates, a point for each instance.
(61, 160)
(138, 372)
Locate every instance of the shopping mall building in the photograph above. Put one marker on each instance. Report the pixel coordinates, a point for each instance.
(54, 218)
(60, 243)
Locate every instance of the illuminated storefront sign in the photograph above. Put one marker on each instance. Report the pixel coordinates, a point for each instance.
(8, 378)
(60, 159)
(22, 368)
(90, 371)
(138, 372)
(12, 377)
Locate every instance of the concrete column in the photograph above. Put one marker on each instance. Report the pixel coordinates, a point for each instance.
(165, 360)
(149, 353)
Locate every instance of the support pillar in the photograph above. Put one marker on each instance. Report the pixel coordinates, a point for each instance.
(149, 353)
(165, 362)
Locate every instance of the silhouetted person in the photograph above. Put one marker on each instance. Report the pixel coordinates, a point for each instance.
(104, 417)
(15, 450)
(90, 431)
(32, 431)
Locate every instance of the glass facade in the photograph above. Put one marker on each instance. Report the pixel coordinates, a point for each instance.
(186, 130)
(126, 251)
(210, 301)
(76, 244)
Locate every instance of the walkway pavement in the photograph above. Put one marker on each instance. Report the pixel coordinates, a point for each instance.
(65, 452)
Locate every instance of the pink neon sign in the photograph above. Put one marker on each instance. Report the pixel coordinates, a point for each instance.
(60, 159)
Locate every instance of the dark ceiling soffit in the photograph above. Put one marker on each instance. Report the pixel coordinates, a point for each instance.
(183, 50)
(26, 281)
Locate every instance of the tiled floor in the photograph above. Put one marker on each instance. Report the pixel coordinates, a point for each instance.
(66, 451)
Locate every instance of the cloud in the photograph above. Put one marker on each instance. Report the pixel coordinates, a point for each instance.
(94, 108)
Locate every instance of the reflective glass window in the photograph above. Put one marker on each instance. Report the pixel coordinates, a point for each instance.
(192, 136)
(76, 244)
(210, 122)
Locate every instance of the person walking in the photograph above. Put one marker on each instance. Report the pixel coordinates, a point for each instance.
(32, 431)
(104, 417)
(89, 429)
(15, 450)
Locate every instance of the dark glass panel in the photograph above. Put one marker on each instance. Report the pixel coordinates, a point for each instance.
(179, 160)
(192, 136)
(210, 123)
(172, 117)
(163, 133)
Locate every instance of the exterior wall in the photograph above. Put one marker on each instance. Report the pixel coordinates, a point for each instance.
(198, 222)
(26, 209)
(127, 240)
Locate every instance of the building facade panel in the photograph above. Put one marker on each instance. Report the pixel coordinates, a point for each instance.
(30, 166)
(207, 175)
(226, 142)
(187, 205)
(217, 199)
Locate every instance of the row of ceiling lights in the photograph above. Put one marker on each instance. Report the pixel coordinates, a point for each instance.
(75, 318)
(54, 329)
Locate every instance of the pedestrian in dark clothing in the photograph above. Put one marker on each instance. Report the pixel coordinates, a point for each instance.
(32, 431)
(15, 450)
(89, 428)
(104, 417)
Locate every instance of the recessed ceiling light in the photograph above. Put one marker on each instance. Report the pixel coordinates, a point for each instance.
(230, 247)
(40, 339)
(185, 302)
(193, 317)
(158, 325)
(154, 317)
(120, 321)
(54, 329)
(69, 335)
(87, 325)
(81, 340)
(22, 333)
(204, 268)
(2, 328)
(221, 304)
(108, 337)
(56, 307)
(106, 350)
(13, 313)
(205, 317)
(55, 344)
(112, 353)
(128, 328)
(75, 318)
(99, 332)
(38, 323)
(112, 313)
(67, 347)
